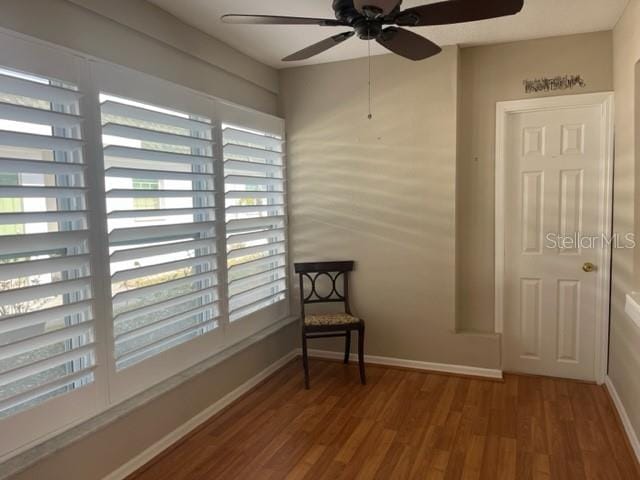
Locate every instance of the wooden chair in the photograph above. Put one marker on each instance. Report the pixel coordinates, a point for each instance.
(329, 324)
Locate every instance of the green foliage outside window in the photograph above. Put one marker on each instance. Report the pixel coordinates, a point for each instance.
(146, 203)
(10, 205)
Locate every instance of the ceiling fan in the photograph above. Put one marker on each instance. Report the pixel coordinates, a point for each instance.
(370, 20)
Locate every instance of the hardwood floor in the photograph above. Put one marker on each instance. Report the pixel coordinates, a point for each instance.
(405, 424)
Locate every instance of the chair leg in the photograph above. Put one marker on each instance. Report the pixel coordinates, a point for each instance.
(363, 379)
(347, 346)
(305, 361)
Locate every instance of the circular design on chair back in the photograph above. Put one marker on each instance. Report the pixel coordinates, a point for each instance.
(338, 285)
(307, 287)
(323, 288)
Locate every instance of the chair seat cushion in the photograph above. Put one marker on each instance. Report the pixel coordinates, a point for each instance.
(330, 319)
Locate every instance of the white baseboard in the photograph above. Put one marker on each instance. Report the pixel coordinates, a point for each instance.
(168, 440)
(628, 427)
(415, 364)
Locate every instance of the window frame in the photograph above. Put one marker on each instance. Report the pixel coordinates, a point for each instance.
(111, 387)
(29, 426)
(231, 114)
(126, 83)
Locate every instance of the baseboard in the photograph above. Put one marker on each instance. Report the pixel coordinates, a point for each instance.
(168, 440)
(415, 364)
(622, 412)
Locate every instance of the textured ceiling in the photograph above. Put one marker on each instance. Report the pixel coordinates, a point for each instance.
(268, 44)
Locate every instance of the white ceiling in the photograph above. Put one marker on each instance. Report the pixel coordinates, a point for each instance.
(268, 44)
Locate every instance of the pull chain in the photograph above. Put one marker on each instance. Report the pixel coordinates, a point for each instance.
(370, 116)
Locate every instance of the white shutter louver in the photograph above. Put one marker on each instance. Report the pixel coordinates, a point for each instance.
(255, 220)
(46, 323)
(160, 215)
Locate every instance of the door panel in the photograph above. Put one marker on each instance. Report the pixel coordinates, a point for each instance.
(568, 320)
(571, 206)
(532, 212)
(554, 171)
(530, 317)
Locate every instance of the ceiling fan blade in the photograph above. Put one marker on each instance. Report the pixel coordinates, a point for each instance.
(274, 20)
(457, 11)
(385, 6)
(319, 47)
(407, 44)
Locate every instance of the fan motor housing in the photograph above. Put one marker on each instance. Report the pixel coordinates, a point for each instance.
(368, 26)
(367, 29)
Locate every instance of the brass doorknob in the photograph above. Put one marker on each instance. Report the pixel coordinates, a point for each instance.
(588, 267)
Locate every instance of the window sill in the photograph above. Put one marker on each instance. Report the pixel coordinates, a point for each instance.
(632, 307)
(29, 457)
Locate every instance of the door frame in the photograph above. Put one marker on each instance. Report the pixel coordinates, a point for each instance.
(503, 109)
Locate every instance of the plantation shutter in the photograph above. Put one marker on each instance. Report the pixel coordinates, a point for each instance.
(46, 311)
(255, 220)
(161, 222)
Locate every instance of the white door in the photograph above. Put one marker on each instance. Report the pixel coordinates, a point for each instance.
(555, 172)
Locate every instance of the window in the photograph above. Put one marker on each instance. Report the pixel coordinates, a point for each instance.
(255, 220)
(139, 235)
(142, 203)
(158, 169)
(10, 205)
(47, 333)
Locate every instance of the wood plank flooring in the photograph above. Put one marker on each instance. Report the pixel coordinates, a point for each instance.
(404, 425)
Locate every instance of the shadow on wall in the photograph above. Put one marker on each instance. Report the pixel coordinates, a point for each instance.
(381, 192)
(372, 178)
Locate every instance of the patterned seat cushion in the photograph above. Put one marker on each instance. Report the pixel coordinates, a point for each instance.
(330, 319)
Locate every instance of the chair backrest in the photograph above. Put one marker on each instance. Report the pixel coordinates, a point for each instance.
(333, 271)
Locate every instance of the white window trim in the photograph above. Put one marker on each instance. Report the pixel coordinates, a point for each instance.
(110, 387)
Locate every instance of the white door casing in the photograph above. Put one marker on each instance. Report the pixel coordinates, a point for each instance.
(553, 177)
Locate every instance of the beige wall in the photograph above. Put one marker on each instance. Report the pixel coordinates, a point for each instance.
(492, 74)
(624, 349)
(166, 48)
(382, 192)
(107, 449)
(145, 17)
